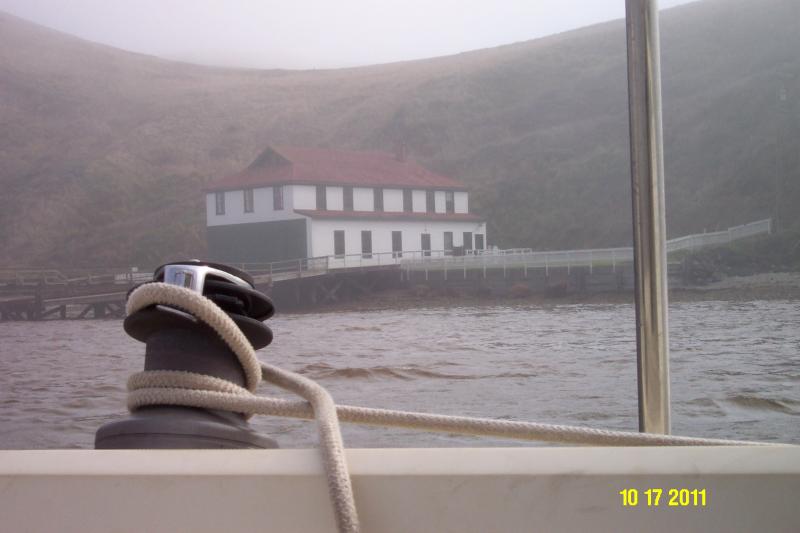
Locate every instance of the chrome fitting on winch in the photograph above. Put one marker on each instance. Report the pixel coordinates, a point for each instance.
(192, 275)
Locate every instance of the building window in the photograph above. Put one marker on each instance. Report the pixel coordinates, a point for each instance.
(397, 244)
(479, 245)
(220, 200)
(338, 243)
(277, 198)
(430, 201)
(348, 198)
(366, 244)
(467, 240)
(426, 244)
(377, 194)
(408, 202)
(449, 202)
(322, 200)
(448, 243)
(248, 200)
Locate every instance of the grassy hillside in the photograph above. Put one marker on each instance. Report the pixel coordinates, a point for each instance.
(775, 253)
(103, 152)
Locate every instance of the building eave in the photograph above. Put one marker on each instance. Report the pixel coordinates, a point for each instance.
(389, 215)
(238, 187)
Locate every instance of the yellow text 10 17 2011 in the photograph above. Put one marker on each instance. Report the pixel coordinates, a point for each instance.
(658, 497)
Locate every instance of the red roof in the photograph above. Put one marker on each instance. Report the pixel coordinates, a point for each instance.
(383, 215)
(278, 165)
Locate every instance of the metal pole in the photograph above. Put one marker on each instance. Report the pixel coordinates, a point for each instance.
(649, 228)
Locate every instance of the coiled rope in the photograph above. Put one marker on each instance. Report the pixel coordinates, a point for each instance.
(161, 387)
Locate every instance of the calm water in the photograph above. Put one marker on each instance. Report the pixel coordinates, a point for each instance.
(735, 370)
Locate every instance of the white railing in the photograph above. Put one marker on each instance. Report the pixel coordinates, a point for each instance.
(692, 242)
(96, 276)
(521, 259)
(493, 258)
(526, 258)
(409, 260)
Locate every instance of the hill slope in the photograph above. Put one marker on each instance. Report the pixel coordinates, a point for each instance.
(103, 152)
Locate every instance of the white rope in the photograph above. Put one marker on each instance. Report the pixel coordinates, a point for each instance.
(320, 401)
(161, 387)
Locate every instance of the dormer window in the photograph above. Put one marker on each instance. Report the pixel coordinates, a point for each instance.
(248, 200)
(449, 202)
(219, 197)
(377, 194)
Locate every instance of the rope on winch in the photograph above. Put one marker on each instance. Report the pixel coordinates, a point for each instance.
(163, 387)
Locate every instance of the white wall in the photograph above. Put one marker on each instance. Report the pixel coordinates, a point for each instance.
(363, 199)
(305, 197)
(322, 234)
(439, 201)
(302, 196)
(262, 208)
(393, 200)
(461, 202)
(335, 198)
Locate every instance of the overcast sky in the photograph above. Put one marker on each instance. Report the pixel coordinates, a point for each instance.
(312, 33)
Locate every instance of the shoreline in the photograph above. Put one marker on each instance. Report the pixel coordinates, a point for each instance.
(775, 286)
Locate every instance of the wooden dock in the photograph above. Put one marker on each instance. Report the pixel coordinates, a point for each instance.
(312, 285)
(19, 307)
(106, 305)
(37, 294)
(34, 307)
(32, 294)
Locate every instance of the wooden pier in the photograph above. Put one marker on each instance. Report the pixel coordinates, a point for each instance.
(315, 283)
(33, 307)
(41, 294)
(37, 294)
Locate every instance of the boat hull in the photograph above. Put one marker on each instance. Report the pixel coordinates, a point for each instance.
(438, 490)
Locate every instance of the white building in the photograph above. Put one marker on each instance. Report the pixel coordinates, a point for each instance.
(293, 203)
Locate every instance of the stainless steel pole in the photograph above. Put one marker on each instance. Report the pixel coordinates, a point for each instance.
(649, 228)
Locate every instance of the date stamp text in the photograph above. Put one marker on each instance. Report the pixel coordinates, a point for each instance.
(658, 497)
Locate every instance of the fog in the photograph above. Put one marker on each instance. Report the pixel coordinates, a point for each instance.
(106, 153)
(312, 33)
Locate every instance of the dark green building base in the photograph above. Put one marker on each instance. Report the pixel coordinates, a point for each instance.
(258, 242)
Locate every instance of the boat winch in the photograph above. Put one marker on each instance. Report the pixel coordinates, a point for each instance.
(176, 341)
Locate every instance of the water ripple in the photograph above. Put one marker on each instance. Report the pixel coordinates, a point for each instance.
(735, 369)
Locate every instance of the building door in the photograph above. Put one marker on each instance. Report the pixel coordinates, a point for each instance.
(366, 244)
(426, 244)
(467, 240)
(479, 241)
(397, 244)
(448, 243)
(338, 243)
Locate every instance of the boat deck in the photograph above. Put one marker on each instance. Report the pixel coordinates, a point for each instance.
(438, 490)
